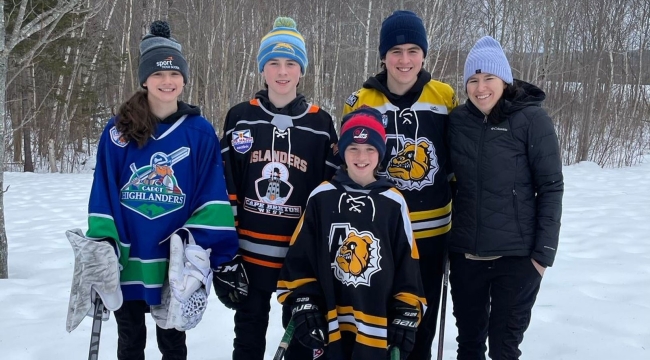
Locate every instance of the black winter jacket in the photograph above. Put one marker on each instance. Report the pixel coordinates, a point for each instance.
(509, 179)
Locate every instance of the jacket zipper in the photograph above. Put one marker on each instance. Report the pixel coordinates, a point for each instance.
(479, 184)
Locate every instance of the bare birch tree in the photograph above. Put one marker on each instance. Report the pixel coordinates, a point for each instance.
(22, 28)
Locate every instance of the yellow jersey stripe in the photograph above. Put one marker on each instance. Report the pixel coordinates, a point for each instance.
(430, 214)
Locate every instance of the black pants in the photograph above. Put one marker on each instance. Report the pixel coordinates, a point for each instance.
(251, 323)
(132, 335)
(492, 299)
(431, 270)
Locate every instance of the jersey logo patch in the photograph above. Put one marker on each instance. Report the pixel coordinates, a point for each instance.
(273, 190)
(152, 190)
(117, 138)
(242, 141)
(357, 257)
(351, 100)
(414, 166)
(318, 353)
(384, 120)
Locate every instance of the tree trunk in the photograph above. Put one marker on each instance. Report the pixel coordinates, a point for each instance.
(366, 58)
(51, 154)
(4, 56)
(29, 164)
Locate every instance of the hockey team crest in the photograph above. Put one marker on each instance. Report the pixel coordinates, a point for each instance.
(352, 99)
(412, 165)
(152, 190)
(357, 255)
(273, 190)
(242, 141)
(318, 353)
(117, 138)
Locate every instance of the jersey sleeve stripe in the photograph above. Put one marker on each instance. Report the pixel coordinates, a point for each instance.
(263, 236)
(430, 214)
(262, 262)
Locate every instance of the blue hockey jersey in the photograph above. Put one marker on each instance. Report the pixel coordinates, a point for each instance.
(140, 196)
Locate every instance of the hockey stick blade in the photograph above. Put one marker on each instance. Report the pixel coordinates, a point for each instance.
(93, 352)
(284, 343)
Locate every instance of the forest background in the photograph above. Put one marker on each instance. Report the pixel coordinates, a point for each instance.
(70, 63)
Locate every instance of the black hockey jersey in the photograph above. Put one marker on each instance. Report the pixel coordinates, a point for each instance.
(354, 251)
(273, 159)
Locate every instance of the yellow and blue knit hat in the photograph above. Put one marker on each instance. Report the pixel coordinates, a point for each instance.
(284, 41)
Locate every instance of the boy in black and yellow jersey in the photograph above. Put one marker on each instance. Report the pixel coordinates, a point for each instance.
(351, 273)
(415, 115)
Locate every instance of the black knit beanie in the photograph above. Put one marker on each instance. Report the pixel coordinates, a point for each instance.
(402, 27)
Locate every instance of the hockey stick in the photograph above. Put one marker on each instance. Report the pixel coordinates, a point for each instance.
(284, 343)
(93, 352)
(394, 353)
(443, 306)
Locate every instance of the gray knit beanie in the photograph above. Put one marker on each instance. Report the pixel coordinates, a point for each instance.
(487, 56)
(159, 52)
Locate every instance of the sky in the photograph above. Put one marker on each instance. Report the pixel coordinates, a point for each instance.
(594, 303)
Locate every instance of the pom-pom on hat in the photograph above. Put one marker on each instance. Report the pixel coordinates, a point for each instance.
(284, 41)
(487, 56)
(160, 52)
(363, 126)
(402, 27)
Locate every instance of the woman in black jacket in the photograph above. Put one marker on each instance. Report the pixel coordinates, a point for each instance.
(508, 204)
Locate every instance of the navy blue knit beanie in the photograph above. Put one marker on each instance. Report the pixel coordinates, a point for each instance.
(402, 27)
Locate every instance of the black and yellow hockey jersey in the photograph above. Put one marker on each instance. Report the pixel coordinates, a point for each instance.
(354, 252)
(273, 159)
(416, 152)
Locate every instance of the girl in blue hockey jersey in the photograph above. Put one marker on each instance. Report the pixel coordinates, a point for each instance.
(159, 169)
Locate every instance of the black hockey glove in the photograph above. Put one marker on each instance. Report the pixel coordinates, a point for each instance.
(402, 328)
(310, 325)
(231, 283)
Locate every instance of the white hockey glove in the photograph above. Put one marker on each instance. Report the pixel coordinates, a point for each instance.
(186, 290)
(96, 272)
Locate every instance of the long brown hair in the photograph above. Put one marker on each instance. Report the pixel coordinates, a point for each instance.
(135, 121)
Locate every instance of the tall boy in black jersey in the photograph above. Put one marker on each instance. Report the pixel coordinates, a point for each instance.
(277, 148)
(415, 112)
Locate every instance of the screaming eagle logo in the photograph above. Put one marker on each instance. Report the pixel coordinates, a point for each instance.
(414, 166)
(357, 256)
(152, 190)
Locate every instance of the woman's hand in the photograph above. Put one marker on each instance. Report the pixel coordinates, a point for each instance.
(540, 268)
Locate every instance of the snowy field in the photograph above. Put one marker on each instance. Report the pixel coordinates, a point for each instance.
(594, 303)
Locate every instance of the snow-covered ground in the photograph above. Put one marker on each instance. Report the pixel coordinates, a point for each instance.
(594, 303)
